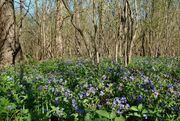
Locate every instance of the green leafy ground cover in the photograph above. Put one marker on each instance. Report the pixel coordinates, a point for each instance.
(146, 90)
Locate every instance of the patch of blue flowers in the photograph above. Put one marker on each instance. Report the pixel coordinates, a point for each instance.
(148, 89)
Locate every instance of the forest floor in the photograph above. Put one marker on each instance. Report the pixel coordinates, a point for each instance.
(148, 89)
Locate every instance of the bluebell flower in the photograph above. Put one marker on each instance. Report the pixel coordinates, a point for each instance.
(142, 85)
(98, 106)
(132, 78)
(76, 107)
(91, 90)
(125, 78)
(40, 88)
(46, 87)
(74, 103)
(80, 111)
(146, 90)
(121, 106)
(114, 104)
(170, 86)
(82, 95)
(57, 100)
(116, 98)
(140, 98)
(178, 93)
(49, 81)
(151, 87)
(156, 94)
(123, 99)
(67, 93)
(127, 106)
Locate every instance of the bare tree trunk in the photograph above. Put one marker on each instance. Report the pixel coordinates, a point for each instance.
(96, 45)
(77, 22)
(7, 32)
(143, 44)
(37, 49)
(120, 33)
(100, 38)
(59, 19)
(130, 31)
(19, 53)
(116, 51)
(126, 30)
(131, 46)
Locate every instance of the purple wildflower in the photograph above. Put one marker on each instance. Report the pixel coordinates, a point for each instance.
(40, 88)
(57, 100)
(80, 111)
(46, 87)
(98, 106)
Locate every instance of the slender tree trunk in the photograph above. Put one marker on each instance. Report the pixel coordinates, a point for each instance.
(36, 47)
(126, 30)
(100, 38)
(77, 22)
(94, 38)
(116, 51)
(18, 53)
(143, 44)
(59, 19)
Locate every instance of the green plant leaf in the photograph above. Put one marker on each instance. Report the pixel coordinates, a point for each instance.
(88, 117)
(121, 118)
(140, 106)
(134, 108)
(137, 115)
(144, 111)
(103, 113)
(112, 115)
(100, 119)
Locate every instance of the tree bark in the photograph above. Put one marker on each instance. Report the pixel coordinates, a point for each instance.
(59, 19)
(7, 32)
